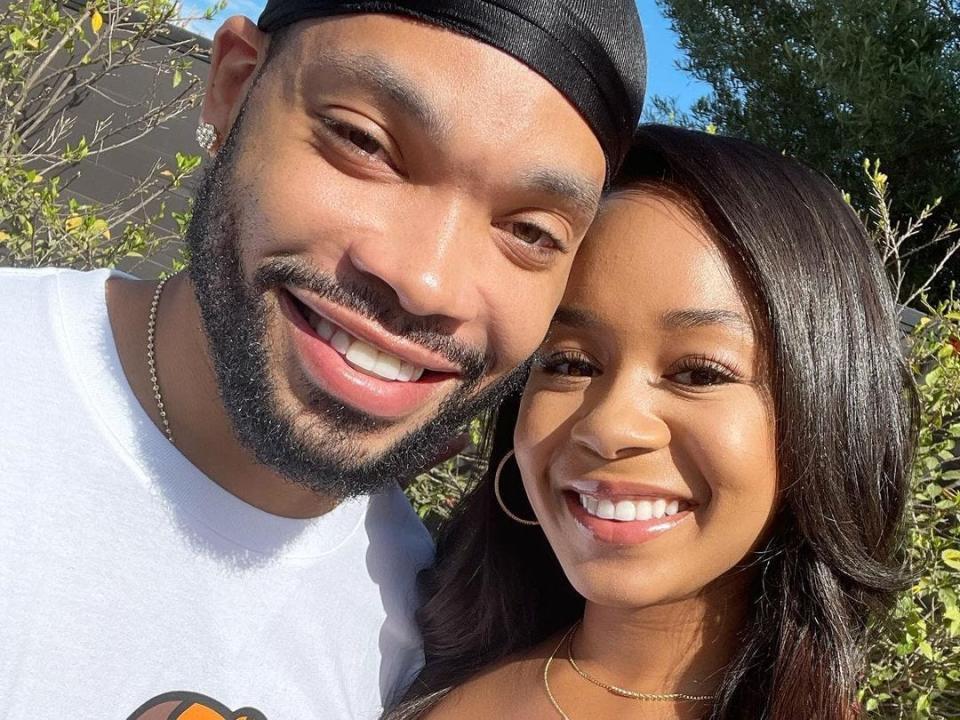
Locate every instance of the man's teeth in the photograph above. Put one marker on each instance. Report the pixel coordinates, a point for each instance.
(364, 356)
(629, 510)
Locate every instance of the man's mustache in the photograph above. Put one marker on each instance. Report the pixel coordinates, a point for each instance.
(373, 304)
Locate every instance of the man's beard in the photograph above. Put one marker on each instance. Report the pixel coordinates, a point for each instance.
(322, 453)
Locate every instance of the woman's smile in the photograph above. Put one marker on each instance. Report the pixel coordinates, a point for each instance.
(624, 512)
(626, 521)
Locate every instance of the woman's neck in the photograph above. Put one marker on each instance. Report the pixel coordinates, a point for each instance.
(680, 647)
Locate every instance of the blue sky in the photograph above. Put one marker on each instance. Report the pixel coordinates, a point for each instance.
(664, 78)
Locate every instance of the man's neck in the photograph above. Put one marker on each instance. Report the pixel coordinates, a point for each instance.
(198, 421)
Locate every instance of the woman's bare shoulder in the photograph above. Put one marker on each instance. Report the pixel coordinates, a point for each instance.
(511, 688)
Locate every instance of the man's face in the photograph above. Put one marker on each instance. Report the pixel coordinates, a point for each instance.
(382, 241)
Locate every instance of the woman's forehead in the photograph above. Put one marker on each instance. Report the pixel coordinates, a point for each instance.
(646, 246)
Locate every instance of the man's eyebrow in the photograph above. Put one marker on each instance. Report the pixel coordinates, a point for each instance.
(382, 79)
(576, 318)
(576, 190)
(694, 317)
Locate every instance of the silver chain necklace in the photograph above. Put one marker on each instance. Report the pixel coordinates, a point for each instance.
(151, 357)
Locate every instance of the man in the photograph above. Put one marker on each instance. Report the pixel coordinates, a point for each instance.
(199, 476)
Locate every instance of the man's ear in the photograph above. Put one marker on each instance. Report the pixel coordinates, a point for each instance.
(239, 48)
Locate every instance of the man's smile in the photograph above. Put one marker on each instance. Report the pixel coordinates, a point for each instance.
(360, 364)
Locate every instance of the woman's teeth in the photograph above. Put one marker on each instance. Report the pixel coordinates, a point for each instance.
(361, 355)
(629, 510)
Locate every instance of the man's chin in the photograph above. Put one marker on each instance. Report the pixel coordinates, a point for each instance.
(339, 453)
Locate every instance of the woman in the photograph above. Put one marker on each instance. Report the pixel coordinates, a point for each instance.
(714, 443)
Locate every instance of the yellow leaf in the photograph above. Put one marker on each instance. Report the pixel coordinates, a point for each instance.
(96, 20)
(711, 129)
(73, 222)
(100, 227)
(4, 236)
(38, 178)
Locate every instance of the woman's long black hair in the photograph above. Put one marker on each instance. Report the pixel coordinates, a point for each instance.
(845, 419)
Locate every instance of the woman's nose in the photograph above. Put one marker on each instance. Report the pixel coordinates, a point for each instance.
(623, 422)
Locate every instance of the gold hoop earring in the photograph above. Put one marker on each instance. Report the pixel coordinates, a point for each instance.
(496, 491)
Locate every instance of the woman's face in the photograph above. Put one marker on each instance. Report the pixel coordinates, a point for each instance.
(646, 434)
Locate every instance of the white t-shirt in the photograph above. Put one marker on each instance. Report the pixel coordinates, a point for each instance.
(125, 573)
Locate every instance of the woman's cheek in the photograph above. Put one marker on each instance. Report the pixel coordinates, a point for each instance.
(542, 431)
(539, 417)
(737, 459)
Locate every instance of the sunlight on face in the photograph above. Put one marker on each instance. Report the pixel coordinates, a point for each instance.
(646, 435)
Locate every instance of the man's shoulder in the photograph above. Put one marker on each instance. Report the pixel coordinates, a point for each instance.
(42, 314)
(24, 286)
(16, 280)
(26, 296)
(32, 275)
(393, 525)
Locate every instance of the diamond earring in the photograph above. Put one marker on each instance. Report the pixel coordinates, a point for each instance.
(207, 135)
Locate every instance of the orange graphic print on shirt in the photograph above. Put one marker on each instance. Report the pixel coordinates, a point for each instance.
(191, 706)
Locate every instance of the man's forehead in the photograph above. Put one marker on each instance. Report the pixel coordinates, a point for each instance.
(593, 53)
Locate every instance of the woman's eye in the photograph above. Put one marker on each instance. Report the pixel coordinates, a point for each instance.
(531, 234)
(702, 376)
(573, 366)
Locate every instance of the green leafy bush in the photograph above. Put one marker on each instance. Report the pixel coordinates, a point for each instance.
(436, 492)
(915, 662)
(54, 56)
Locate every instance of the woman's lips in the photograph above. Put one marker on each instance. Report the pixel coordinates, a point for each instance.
(640, 518)
(332, 372)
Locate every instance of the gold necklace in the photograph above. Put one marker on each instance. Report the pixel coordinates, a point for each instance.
(546, 673)
(151, 357)
(620, 692)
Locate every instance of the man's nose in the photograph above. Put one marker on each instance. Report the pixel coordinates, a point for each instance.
(429, 257)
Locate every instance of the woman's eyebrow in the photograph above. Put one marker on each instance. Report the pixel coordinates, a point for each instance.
(689, 318)
(575, 317)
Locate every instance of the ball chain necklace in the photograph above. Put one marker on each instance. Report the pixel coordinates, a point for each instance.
(151, 358)
(612, 689)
